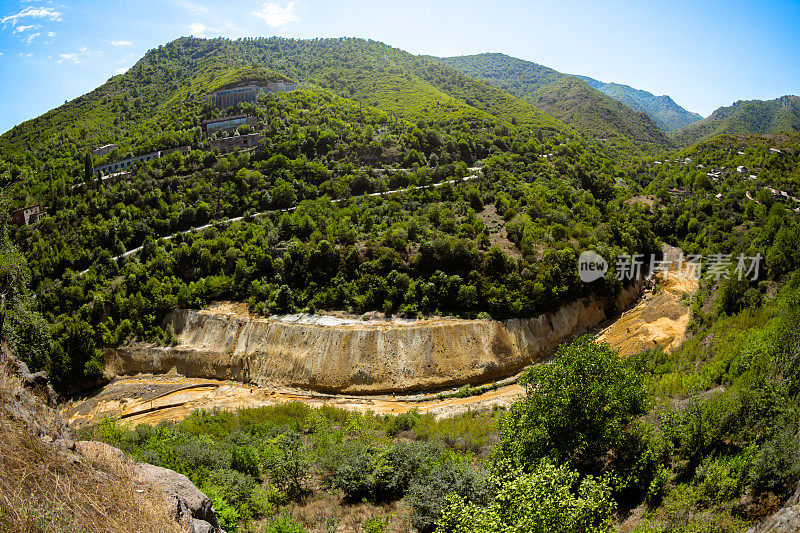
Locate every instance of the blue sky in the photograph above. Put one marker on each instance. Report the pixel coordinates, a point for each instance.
(704, 54)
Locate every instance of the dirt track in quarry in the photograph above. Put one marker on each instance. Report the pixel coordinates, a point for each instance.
(150, 399)
(657, 319)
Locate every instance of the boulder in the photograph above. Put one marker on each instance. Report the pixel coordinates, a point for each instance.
(201, 526)
(190, 506)
(179, 487)
(786, 520)
(100, 452)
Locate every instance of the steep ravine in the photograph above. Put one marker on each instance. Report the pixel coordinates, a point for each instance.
(372, 357)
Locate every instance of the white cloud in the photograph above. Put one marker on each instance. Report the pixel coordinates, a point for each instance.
(275, 15)
(74, 57)
(198, 29)
(197, 9)
(33, 36)
(32, 12)
(1, 53)
(51, 34)
(20, 29)
(122, 70)
(120, 43)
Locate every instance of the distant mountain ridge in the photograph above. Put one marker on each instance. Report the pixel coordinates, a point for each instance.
(781, 115)
(565, 97)
(662, 109)
(372, 73)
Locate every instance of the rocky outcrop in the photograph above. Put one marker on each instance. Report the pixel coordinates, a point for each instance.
(34, 402)
(187, 499)
(190, 506)
(29, 420)
(360, 358)
(786, 520)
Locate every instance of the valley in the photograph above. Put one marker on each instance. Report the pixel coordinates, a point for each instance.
(330, 285)
(650, 321)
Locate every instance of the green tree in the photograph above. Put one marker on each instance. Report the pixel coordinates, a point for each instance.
(287, 462)
(576, 410)
(22, 327)
(88, 168)
(549, 499)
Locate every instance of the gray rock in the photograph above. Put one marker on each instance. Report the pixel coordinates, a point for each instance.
(178, 486)
(100, 452)
(786, 520)
(201, 526)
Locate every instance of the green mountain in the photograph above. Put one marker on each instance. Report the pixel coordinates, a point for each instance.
(662, 109)
(567, 98)
(367, 119)
(390, 183)
(781, 115)
(369, 72)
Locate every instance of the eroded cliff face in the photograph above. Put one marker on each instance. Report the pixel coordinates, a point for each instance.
(359, 358)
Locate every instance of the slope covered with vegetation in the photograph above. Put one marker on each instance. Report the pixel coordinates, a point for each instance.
(354, 200)
(566, 97)
(744, 117)
(325, 239)
(667, 114)
(366, 71)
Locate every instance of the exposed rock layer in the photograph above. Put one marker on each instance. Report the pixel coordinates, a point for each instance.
(360, 358)
(786, 520)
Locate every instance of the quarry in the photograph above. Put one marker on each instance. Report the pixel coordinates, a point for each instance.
(229, 359)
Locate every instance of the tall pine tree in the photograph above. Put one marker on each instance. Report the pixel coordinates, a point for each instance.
(88, 168)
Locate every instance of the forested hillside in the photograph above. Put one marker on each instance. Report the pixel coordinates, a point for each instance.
(781, 115)
(502, 244)
(568, 98)
(369, 72)
(392, 183)
(668, 115)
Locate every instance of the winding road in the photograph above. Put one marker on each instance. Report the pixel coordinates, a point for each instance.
(221, 222)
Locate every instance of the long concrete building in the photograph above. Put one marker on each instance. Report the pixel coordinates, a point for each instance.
(124, 164)
(228, 124)
(248, 93)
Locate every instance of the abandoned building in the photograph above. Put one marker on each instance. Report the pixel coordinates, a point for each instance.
(28, 215)
(237, 142)
(126, 163)
(103, 150)
(228, 124)
(248, 93)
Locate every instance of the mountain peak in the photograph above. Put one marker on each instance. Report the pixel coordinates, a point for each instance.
(780, 115)
(566, 97)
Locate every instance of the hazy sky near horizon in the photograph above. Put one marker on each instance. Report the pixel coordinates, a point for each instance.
(704, 54)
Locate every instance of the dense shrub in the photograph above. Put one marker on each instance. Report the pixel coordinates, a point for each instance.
(777, 468)
(576, 410)
(287, 462)
(401, 422)
(368, 472)
(427, 492)
(548, 499)
(204, 452)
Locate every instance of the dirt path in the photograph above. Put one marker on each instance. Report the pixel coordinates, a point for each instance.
(658, 319)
